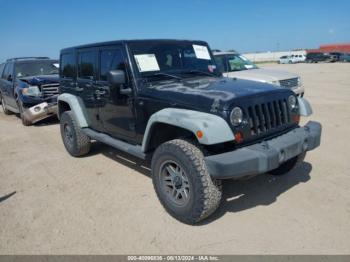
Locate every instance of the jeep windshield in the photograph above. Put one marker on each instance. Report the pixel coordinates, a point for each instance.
(36, 68)
(173, 59)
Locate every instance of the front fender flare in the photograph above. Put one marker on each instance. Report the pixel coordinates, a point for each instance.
(215, 129)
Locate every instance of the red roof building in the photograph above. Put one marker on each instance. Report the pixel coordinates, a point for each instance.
(343, 48)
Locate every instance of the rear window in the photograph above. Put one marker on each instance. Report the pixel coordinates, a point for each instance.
(67, 67)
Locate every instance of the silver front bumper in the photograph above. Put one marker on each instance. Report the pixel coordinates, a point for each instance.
(40, 112)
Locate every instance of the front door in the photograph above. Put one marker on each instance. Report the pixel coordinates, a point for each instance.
(115, 109)
(8, 79)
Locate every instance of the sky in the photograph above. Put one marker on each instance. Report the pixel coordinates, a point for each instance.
(43, 27)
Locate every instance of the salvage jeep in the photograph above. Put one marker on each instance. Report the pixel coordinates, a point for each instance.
(29, 86)
(165, 101)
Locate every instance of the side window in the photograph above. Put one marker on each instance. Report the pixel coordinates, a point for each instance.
(67, 67)
(221, 63)
(111, 59)
(7, 71)
(87, 64)
(2, 67)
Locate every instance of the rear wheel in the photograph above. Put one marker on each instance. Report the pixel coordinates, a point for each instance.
(288, 165)
(3, 105)
(182, 182)
(74, 140)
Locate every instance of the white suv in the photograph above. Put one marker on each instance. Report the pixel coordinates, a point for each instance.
(291, 59)
(234, 65)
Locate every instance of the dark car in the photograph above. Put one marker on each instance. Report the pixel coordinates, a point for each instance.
(345, 57)
(317, 57)
(164, 101)
(335, 56)
(29, 87)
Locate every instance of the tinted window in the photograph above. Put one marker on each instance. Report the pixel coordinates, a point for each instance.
(7, 71)
(110, 60)
(87, 64)
(221, 63)
(67, 67)
(2, 66)
(36, 68)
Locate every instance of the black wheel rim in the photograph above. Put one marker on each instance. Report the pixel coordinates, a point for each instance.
(174, 183)
(68, 134)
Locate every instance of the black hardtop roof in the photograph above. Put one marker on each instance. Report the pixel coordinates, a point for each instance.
(129, 41)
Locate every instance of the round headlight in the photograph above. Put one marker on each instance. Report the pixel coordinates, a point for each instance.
(236, 116)
(292, 102)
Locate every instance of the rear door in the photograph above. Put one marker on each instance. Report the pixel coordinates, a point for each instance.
(115, 109)
(86, 84)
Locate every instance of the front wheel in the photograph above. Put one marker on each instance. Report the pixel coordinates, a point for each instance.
(25, 122)
(288, 165)
(74, 140)
(182, 182)
(3, 105)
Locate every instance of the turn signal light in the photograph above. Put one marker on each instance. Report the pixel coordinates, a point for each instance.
(238, 137)
(199, 134)
(296, 119)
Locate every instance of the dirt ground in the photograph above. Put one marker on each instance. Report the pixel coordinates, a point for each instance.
(51, 203)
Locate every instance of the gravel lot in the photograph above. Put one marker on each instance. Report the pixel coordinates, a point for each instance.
(51, 203)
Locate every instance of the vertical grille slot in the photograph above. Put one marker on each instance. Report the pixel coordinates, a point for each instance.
(267, 116)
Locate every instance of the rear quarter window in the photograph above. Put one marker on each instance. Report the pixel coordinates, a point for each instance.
(67, 66)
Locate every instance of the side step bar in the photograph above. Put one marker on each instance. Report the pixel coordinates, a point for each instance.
(134, 150)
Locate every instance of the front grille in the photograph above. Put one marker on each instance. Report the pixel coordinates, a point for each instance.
(289, 83)
(49, 90)
(267, 116)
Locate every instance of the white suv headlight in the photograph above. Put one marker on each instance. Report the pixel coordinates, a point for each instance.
(236, 116)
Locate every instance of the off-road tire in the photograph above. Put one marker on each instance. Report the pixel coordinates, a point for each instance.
(205, 193)
(25, 122)
(78, 143)
(3, 104)
(288, 165)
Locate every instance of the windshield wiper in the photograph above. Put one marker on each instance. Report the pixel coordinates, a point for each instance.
(199, 72)
(169, 75)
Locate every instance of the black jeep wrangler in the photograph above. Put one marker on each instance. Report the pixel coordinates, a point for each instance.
(164, 100)
(29, 86)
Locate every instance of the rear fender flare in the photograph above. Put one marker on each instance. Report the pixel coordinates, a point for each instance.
(77, 107)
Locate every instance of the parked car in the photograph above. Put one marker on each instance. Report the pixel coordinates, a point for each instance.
(29, 87)
(334, 56)
(235, 65)
(317, 57)
(345, 57)
(299, 58)
(286, 59)
(166, 102)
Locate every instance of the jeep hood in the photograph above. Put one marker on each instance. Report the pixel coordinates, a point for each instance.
(208, 94)
(40, 80)
(261, 75)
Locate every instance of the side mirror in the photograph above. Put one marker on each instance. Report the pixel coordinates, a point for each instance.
(9, 78)
(116, 77)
